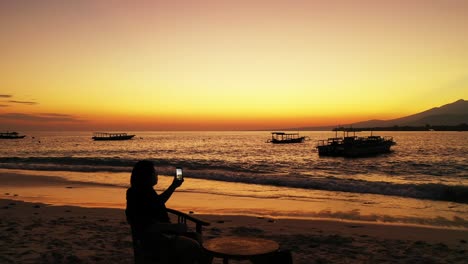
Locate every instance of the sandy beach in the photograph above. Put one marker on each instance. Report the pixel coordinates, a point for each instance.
(40, 233)
(57, 221)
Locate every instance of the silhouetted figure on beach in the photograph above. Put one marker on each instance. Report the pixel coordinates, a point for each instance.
(146, 212)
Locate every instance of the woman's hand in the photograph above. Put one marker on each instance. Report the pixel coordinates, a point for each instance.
(168, 192)
(177, 183)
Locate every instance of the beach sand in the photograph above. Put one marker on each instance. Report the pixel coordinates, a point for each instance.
(47, 229)
(40, 233)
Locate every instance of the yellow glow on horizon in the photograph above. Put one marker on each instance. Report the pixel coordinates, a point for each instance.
(229, 66)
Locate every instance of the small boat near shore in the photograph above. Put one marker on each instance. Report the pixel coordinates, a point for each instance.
(11, 135)
(286, 138)
(111, 136)
(354, 146)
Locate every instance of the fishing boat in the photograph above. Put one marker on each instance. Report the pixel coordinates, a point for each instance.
(111, 136)
(354, 146)
(11, 135)
(286, 138)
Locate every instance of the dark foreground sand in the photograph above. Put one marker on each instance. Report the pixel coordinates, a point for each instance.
(39, 233)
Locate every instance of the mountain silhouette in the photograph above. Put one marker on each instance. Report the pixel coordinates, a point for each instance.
(452, 114)
(447, 115)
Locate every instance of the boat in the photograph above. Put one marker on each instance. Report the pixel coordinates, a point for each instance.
(111, 136)
(354, 146)
(11, 135)
(286, 138)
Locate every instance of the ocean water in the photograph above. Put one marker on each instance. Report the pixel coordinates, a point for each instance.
(428, 168)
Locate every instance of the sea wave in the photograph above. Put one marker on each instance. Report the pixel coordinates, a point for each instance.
(226, 172)
(111, 164)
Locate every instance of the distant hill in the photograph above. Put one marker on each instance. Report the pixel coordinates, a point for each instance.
(447, 115)
(452, 114)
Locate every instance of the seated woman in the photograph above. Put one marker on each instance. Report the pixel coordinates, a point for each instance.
(146, 213)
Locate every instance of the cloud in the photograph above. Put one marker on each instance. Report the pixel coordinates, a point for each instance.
(6, 103)
(55, 115)
(23, 102)
(45, 117)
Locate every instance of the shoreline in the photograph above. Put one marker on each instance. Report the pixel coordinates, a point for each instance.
(50, 188)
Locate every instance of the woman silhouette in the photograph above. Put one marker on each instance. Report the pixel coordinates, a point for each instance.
(146, 212)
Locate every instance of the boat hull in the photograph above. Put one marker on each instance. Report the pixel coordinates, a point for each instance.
(12, 137)
(127, 137)
(288, 141)
(343, 150)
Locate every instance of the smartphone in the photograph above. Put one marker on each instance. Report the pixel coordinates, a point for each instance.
(179, 175)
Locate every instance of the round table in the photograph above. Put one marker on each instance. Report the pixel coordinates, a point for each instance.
(235, 247)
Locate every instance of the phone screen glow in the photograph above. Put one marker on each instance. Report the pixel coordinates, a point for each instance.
(179, 173)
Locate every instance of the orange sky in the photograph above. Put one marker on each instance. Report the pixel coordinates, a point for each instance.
(213, 65)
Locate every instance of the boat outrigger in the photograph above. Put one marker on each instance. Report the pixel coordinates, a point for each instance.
(353, 146)
(111, 136)
(285, 138)
(11, 135)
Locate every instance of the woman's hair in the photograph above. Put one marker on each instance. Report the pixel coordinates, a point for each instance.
(143, 174)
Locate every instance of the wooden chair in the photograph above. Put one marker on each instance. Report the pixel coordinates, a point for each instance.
(157, 255)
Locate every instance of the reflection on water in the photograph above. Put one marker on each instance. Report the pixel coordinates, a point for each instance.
(429, 166)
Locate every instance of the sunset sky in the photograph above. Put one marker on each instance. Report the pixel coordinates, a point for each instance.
(211, 65)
